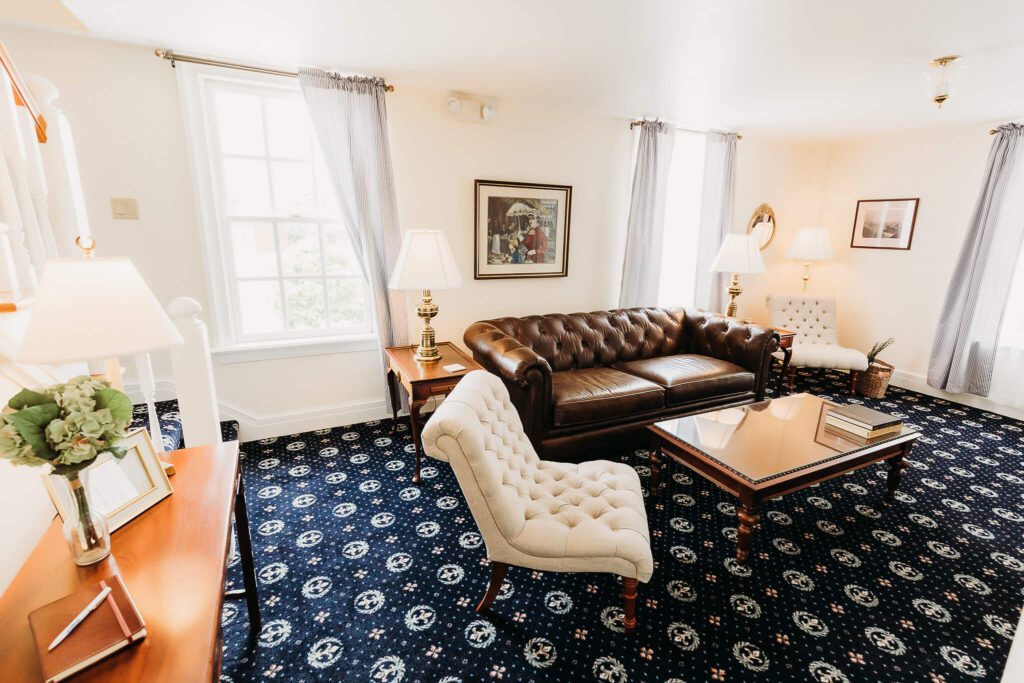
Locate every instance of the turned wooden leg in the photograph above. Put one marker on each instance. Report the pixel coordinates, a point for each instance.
(393, 393)
(792, 378)
(498, 570)
(417, 427)
(897, 464)
(629, 603)
(655, 469)
(853, 381)
(747, 518)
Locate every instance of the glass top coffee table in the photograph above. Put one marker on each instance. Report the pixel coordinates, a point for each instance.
(764, 450)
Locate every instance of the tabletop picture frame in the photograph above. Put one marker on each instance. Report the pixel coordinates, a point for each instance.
(884, 223)
(121, 489)
(521, 229)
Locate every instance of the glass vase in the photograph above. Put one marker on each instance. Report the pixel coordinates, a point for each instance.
(85, 528)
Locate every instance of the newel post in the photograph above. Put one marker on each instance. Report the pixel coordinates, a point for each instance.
(193, 375)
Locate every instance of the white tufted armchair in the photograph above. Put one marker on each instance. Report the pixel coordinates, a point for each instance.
(533, 513)
(816, 345)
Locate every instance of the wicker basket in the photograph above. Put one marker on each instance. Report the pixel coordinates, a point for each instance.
(874, 381)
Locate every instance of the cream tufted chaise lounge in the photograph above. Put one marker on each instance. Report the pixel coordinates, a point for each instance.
(549, 516)
(816, 344)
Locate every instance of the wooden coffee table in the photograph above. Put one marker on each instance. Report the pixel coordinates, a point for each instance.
(767, 449)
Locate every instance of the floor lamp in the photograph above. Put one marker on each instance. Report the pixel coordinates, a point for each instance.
(98, 308)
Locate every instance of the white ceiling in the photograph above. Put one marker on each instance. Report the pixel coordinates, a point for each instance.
(786, 67)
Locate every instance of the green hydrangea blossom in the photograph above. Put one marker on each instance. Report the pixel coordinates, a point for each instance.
(90, 419)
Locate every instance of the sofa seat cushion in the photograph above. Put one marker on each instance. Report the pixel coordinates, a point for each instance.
(593, 394)
(691, 377)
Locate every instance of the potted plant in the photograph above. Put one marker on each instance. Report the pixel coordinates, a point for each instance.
(874, 381)
(66, 427)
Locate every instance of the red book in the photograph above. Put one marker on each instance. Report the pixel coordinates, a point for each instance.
(112, 626)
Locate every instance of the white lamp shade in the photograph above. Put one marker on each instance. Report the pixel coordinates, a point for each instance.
(86, 309)
(738, 254)
(811, 244)
(425, 262)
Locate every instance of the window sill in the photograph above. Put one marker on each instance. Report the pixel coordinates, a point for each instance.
(247, 353)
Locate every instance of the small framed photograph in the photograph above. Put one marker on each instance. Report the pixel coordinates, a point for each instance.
(121, 489)
(884, 223)
(522, 230)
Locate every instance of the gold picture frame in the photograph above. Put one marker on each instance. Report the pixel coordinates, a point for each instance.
(121, 489)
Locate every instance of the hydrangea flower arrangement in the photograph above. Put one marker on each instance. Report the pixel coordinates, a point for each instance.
(65, 425)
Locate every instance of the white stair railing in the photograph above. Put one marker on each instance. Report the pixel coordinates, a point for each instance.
(193, 375)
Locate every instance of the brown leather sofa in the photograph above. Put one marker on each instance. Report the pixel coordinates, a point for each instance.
(589, 382)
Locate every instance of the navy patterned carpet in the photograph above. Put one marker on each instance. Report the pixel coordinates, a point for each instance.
(365, 576)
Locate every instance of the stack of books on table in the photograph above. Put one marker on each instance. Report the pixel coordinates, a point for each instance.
(861, 424)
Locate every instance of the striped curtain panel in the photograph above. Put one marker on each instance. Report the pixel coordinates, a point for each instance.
(716, 218)
(351, 123)
(967, 338)
(645, 228)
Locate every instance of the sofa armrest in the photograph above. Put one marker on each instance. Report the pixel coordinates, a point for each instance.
(525, 373)
(749, 346)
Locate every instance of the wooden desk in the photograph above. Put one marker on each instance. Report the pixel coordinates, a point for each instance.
(172, 559)
(421, 381)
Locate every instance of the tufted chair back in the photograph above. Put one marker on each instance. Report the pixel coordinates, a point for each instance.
(812, 318)
(477, 430)
(585, 340)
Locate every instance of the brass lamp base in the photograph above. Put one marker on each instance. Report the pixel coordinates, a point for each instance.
(807, 275)
(734, 291)
(427, 351)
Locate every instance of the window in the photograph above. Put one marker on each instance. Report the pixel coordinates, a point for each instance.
(279, 259)
(682, 221)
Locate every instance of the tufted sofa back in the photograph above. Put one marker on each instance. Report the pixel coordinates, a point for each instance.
(586, 340)
(813, 318)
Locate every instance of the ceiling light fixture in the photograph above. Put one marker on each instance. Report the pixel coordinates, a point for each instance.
(942, 77)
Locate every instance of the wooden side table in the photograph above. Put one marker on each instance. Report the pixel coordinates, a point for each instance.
(786, 346)
(421, 381)
(172, 559)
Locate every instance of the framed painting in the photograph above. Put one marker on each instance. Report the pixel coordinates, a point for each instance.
(884, 223)
(521, 230)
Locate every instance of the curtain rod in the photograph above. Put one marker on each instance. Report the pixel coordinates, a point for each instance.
(173, 57)
(634, 124)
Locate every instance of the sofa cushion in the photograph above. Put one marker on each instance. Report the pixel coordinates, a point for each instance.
(690, 377)
(600, 393)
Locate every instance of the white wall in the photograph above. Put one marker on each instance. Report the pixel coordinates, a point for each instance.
(883, 293)
(789, 177)
(437, 160)
(123, 106)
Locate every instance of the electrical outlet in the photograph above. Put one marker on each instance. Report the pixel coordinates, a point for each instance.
(125, 208)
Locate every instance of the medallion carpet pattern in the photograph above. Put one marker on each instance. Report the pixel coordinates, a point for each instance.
(365, 576)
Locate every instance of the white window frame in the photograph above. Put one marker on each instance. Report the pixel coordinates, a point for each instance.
(229, 345)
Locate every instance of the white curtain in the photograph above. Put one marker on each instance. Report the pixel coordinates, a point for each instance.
(351, 123)
(1007, 385)
(967, 337)
(641, 265)
(716, 217)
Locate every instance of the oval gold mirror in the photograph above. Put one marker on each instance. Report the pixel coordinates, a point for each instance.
(762, 224)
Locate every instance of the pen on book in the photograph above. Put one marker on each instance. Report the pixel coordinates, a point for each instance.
(80, 618)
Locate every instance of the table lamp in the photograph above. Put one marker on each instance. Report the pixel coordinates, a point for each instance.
(738, 254)
(93, 309)
(810, 244)
(425, 262)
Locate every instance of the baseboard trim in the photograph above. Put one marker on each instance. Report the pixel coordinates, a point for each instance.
(252, 425)
(919, 383)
